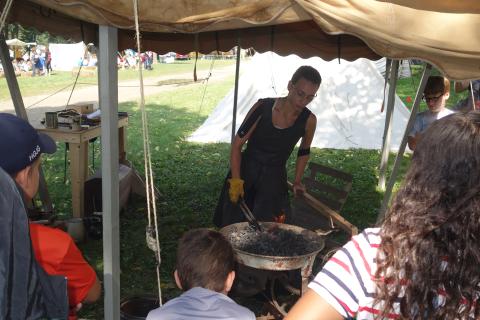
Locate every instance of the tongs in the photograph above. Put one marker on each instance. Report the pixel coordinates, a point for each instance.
(249, 215)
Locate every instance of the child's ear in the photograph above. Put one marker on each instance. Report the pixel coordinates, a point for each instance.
(177, 280)
(229, 281)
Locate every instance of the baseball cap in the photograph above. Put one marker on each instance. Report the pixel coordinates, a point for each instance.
(21, 144)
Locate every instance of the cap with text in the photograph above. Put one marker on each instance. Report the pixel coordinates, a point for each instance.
(21, 144)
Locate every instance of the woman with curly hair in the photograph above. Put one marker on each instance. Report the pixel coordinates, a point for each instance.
(423, 262)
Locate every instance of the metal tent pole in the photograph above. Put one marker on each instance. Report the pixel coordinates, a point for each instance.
(391, 182)
(235, 94)
(108, 101)
(17, 100)
(387, 133)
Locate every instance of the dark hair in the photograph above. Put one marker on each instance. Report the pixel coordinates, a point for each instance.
(204, 259)
(430, 235)
(436, 84)
(308, 73)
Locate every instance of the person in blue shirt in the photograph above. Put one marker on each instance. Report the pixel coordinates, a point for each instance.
(205, 271)
(435, 95)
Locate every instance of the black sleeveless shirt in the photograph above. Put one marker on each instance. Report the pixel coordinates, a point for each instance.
(270, 145)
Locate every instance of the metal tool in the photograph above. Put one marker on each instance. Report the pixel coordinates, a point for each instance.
(249, 215)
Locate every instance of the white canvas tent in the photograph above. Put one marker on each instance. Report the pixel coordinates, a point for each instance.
(403, 72)
(65, 56)
(347, 106)
(15, 43)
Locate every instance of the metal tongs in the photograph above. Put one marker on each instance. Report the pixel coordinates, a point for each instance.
(249, 215)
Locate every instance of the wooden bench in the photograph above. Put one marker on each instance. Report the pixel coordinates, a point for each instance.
(327, 192)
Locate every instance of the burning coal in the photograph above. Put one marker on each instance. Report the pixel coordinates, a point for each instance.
(273, 242)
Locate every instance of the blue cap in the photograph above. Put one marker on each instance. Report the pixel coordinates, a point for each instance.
(21, 144)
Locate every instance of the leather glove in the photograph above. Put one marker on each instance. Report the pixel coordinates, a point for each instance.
(236, 189)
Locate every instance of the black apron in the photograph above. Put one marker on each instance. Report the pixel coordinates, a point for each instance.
(263, 168)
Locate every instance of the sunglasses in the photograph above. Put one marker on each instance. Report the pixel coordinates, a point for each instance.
(433, 99)
(303, 95)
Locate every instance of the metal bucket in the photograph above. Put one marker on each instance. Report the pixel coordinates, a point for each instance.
(276, 262)
(138, 307)
(279, 263)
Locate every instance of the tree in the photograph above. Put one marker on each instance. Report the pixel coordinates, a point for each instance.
(29, 34)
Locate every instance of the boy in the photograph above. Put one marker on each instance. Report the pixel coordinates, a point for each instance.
(20, 156)
(435, 95)
(205, 271)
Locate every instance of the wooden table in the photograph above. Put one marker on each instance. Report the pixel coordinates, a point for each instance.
(78, 155)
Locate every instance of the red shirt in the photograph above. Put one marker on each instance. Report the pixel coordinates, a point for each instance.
(57, 253)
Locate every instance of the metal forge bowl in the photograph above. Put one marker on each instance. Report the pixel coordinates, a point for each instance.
(279, 263)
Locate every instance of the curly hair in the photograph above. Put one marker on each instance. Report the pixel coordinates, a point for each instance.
(431, 233)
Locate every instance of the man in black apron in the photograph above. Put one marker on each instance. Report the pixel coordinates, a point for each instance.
(272, 128)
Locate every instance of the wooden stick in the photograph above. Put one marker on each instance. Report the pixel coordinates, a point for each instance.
(328, 212)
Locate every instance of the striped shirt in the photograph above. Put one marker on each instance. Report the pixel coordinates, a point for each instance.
(346, 280)
(347, 283)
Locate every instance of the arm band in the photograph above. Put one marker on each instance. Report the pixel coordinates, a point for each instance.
(303, 152)
(249, 122)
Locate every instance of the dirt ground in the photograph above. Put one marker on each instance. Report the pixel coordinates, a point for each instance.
(36, 106)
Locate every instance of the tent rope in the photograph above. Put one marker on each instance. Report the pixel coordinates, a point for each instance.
(272, 77)
(152, 235)
(4, 15)
(74, 85)
(205, 84)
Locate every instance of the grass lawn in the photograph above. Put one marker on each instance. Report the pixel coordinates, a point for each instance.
(30, 86)
(190, 176)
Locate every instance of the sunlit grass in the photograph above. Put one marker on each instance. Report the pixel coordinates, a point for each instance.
(59, 80)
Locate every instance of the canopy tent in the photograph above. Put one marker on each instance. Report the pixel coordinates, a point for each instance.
(66, 56)
(442, 32)
(347, 106)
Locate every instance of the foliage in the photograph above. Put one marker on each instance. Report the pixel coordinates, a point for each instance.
(29, 34)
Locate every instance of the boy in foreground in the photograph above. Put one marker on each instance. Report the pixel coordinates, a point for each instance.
(205, 272)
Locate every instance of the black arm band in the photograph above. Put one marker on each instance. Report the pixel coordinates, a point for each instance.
(303, 152)
(249, 122)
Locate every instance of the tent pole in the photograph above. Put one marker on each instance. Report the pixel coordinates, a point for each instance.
(17, 100)
(387, 133)
(391, 182)
(388, 65)
(108, 102)
(235, 95)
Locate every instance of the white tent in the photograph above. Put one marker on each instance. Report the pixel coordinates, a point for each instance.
(66, 56)
(347, 106)
(15, 43)
(403, 72)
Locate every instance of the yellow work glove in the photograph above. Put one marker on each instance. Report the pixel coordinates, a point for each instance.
(236, 189)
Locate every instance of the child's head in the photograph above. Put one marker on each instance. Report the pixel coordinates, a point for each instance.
(205, 259)
(436, 93)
